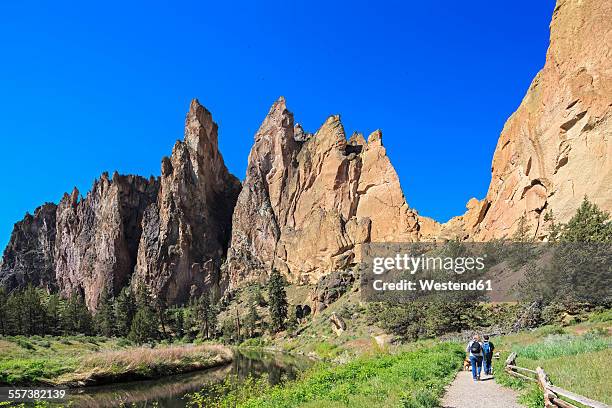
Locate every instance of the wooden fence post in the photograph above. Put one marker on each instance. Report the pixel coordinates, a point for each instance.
(545, 384)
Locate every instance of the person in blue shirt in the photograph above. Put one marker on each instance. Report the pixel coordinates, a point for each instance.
(487, 355)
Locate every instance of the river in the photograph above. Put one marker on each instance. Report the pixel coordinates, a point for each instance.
(169, 392)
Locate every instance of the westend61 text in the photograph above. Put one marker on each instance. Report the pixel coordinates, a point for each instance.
(432, 285)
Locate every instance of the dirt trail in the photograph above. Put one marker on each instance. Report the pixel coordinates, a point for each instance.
(465, 393)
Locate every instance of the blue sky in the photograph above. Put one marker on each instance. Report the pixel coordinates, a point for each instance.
(87, 88)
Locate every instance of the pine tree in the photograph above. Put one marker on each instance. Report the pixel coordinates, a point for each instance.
(251, 321)
(277, 301)
(105, 319)
(589, 224)
(554, 229)
(144, 326)
(203, 314)
(54, 315)
(33, 312)
(179, 322)
(4, 312)
(77, 318)
(292, 321)
(522, 232)
(125, 309)
(15, 313)
(145, 323)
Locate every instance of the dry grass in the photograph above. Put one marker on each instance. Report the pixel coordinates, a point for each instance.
(146, 356)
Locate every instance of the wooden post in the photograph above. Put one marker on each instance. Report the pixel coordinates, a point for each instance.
(510, 361)
(549, 396)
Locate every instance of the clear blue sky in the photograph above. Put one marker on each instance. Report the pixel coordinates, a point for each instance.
(87, 88)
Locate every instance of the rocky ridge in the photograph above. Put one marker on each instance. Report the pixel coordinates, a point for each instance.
(309, 201)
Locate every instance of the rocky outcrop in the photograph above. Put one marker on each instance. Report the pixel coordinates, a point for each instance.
(97, 236)
(187, 229)
(309, 201)
(329, 289)
(557, 147)
(29, 256)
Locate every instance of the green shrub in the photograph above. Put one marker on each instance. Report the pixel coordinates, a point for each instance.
(533, 398)
(123, 342)
(24, 344)
(602, 316)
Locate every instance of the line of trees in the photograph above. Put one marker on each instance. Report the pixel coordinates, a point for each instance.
(135, 315)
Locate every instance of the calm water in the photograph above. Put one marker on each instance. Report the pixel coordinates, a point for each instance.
(169, 392)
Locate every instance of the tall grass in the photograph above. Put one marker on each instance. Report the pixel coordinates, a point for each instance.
(562, 345)
(144, 356)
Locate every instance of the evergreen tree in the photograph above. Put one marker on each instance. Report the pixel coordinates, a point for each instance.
(77, 318)
(161, 309)
(54, 315)
(251, 321)
(589, 224)
(4, 312)
(33, 312)
(15, 313)
(144, 326)
(277, 301)
(203, 314)
(554, 229)
(105, 317)
(258, 296)
(523, 230)
(125, 309)
(179, 322)
(292, 321)
(145, 323)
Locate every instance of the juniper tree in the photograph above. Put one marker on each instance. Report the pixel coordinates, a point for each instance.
(277, 303)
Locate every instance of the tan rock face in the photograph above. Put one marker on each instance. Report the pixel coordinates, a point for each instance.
(97, 236)
(29, 256)
(309, 201)
(187, 230)
(557, 147)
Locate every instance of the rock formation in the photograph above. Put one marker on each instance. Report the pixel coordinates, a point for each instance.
(168, 233)
(29, 256)
(309, 201)
(187, 230)
(97, 236)
(557, 147)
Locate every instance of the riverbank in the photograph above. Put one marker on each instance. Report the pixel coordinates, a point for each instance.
(411, 376)
(78, 361)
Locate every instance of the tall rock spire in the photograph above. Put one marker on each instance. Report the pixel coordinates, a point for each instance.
(187, 230)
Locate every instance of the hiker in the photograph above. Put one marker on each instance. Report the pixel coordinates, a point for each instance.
(487, 355)
(474, 349)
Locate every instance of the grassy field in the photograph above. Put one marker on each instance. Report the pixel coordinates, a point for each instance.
(79, 360)
(577, 358)
(414, 378)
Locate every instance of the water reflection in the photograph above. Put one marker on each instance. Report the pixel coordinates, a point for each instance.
(168, 392)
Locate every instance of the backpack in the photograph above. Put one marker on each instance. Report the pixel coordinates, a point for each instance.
(486, 348)
(475, 347)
